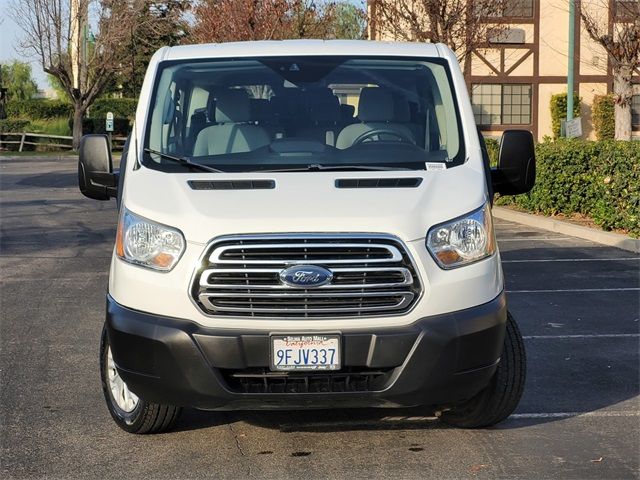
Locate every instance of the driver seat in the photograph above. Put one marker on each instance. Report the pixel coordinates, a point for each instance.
(376, 110)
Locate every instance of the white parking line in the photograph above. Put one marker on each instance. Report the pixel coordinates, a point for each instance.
(627, 413)
(528, 239)
(577, 290)
(595, 335)
(544, 260)
(428, 419)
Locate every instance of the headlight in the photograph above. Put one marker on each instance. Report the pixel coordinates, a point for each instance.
(464, 240)
(146, 243)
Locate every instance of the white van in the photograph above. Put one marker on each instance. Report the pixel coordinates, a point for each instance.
(307, 224)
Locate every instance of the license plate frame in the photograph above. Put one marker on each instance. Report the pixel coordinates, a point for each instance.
(309, 342)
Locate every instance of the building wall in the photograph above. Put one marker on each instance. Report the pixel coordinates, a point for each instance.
(540, 61)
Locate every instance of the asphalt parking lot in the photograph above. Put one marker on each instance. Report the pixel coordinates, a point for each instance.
(577, 303)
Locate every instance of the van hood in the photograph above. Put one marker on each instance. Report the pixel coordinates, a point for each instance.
(304, 202)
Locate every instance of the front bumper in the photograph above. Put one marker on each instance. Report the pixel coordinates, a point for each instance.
(437, 360)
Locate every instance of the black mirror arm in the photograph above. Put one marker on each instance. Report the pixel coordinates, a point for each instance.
(497, 180)
(107, 180)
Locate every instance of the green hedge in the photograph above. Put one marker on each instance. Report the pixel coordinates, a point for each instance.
(493, 149)
(604, 117)
(121, 126)
(44, 108)
(120, 107)
(597, 179)
(38, 109)
(558, 107)
(14, 125)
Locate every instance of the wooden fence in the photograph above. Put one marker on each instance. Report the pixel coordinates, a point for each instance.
(63, 142)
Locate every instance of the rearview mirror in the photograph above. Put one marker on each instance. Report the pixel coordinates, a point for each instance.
(95, 168)
(516, 171)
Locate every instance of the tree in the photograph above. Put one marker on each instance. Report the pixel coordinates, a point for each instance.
(350, 21)
(158, 23)
(57, 87)
(463, 25)
(238, 20)
(16, 78)
(57, 32)
(621, 40)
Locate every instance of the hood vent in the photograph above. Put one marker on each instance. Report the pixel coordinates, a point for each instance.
(232, 184)
(406, 182)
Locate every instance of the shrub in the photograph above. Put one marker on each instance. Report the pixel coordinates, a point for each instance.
(616, 187)
(120, 107)
(493, 149)
(597, 179)
(604, 117)
(38, 109)
(52, 126)
(121, 126)
(559, 110)
(14, 125)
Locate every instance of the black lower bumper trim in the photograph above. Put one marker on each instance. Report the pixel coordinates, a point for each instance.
(437, 360)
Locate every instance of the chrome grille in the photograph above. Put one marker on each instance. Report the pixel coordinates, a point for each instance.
(240, 276)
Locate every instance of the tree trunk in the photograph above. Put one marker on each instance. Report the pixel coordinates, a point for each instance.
(623, 93)
(78, 113)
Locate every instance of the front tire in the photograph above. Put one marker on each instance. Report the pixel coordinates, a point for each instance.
(500, 398)
(131, 413)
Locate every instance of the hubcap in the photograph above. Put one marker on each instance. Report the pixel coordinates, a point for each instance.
(125, 399)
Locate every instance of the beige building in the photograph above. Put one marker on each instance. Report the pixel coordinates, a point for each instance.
(512, 80)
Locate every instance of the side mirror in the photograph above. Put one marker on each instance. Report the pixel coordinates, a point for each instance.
(516, 171)
(95, 168)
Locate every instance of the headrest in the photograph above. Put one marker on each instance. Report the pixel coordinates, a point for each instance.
(260, 109)
(324, 106)
(347, 111)
(278, 105)
(401, 112)
(376, 105)
(232, 106)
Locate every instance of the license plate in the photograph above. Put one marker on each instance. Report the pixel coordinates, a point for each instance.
(305, 352)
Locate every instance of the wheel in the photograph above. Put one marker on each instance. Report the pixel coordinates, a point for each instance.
(500, 398)
(131, 413)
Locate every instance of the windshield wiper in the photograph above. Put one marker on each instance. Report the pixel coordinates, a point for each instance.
(184, 161)
(317, 167)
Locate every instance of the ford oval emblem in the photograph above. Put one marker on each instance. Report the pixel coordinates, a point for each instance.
(306, 276)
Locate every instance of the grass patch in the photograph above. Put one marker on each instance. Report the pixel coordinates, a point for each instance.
(51, 126)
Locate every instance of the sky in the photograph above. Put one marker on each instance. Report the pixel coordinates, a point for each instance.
(10, 35)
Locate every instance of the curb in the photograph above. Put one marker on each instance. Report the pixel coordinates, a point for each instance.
(598, 236)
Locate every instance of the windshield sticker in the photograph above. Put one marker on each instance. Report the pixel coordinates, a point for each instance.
(432, 166)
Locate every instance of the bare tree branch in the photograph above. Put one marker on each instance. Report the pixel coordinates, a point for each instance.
(463, 25)
(622, 44)
(237, 20)
(48, 27)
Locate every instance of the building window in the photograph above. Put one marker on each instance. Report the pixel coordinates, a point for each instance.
(626, 10)
(509, 8)
(635, 112)
(518, 8)
(507, 104)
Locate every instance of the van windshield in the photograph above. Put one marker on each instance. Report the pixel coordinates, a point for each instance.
(303, 113)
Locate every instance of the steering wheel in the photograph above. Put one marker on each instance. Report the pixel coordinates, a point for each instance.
(377, 132)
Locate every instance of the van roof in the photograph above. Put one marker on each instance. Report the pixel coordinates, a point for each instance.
(280, 48)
